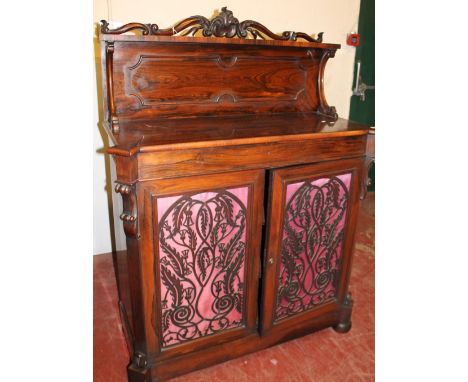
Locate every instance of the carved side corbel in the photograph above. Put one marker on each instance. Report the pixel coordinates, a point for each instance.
(129, 214)
(324, 108)
(113, 119)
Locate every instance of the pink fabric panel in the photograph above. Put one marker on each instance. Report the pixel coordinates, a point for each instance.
(202, 255)
(312, 241)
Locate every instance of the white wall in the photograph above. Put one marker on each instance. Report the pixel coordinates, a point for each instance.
(101, 226)
(336, 18)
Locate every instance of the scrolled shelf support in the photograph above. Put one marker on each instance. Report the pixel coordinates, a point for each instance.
(129, 214)
(112, 117)
(323, 108)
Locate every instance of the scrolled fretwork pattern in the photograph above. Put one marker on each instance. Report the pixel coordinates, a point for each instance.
(312, 241)
(202, 245)
(223, 25)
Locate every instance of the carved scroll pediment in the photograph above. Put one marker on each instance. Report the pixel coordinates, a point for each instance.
(223, 25)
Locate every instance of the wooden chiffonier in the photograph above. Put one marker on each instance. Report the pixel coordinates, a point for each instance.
(240, 189)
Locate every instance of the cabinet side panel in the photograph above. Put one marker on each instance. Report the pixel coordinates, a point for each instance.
(120, 257)
(117, 208)
(312, 243)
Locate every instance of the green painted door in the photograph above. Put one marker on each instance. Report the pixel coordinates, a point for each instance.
(362, 108)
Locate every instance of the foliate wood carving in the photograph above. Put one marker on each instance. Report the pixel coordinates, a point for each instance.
(129, 214)
(202, 257)
(324, 108)
(313, 233)
(223, 25)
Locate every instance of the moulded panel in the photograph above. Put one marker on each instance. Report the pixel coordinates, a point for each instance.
(154, 80)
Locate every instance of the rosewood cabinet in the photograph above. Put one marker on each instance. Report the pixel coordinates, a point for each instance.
(240, 190)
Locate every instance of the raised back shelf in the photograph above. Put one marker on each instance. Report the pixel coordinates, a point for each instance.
(162, 73)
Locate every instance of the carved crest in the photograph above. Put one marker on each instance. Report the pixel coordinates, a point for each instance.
(223, 25)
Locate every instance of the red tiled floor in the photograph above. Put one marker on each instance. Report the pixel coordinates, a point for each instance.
(324, 356)
(110, 354)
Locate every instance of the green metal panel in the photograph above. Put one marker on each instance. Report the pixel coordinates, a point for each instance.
(363, 111)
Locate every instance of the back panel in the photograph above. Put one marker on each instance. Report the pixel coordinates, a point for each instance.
(158, 79)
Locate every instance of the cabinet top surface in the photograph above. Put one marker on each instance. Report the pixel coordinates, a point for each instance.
(216, 41)
(163, 134)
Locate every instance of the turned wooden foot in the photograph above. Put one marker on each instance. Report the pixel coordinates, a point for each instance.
(138, 371)
(344, 325)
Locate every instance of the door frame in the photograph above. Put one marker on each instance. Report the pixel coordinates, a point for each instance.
(279, 181)
(149, 192)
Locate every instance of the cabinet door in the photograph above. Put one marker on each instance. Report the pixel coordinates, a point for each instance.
(312, 214)
(205, 257)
